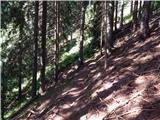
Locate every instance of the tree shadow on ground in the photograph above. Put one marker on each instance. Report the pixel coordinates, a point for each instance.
(74, 98)
(85, 81)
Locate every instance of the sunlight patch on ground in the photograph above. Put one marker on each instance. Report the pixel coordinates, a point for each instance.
(93, 71)
(107, 85)
(117, 59)
(146, 58)
(97, 75)
(92, 116)
(140, 80)
(43, 105)
(92, 63)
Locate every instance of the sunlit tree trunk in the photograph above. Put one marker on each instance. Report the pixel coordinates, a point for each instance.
(57, 42)
(105, 33)
(43, 44)
(35, 49)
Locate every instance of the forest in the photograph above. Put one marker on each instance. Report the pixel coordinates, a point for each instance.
(80, 60)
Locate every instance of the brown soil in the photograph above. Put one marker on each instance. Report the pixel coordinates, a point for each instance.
(129, 89)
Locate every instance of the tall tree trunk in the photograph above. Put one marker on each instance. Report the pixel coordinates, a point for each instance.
(102, 28)
(3, 91)
(96, 24)
(82, 21)
(131, 10)
(105, 33)
(122, 10)
(140, 6)
(111, 20)
(57, 42)
(145, 19)
(135, 15)
(102, 24)
(20, 62)
(43, 44)
(116, 14)
(151, 8)
(35, 49)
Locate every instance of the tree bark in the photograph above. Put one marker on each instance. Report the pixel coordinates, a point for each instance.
(82, 21)
(111, 20)
(145, 19)
(131, 10)
(97, 24)
(122, 10)
(140, 6)
(105, 33)
(35, 49)
(3, 91)
(116, 14)
(57, 42)
(43, 44)
(102, 28)
(135, 16)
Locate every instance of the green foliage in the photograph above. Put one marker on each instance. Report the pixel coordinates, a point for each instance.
(128, 18)
(68, 61)
(156, 4)
(49, 71)
(89, 51)
(12, 110)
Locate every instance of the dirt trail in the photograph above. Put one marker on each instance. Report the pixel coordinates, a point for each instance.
(128, 89)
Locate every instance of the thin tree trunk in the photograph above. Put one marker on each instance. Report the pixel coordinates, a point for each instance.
(140, 6)
(105, 35)
(116, 14)
(131, 10)
(135, 16)
(57, 42)
(35, 49)
(20, 63)
(102, 24)
(82, 21)
(43, 44)
(111, 20)
(122, 10)
(3, 90)
(71, 35)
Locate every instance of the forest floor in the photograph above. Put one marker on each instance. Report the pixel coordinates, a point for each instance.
(129, 89)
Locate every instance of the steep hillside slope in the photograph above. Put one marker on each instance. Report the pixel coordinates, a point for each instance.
(128, 89)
